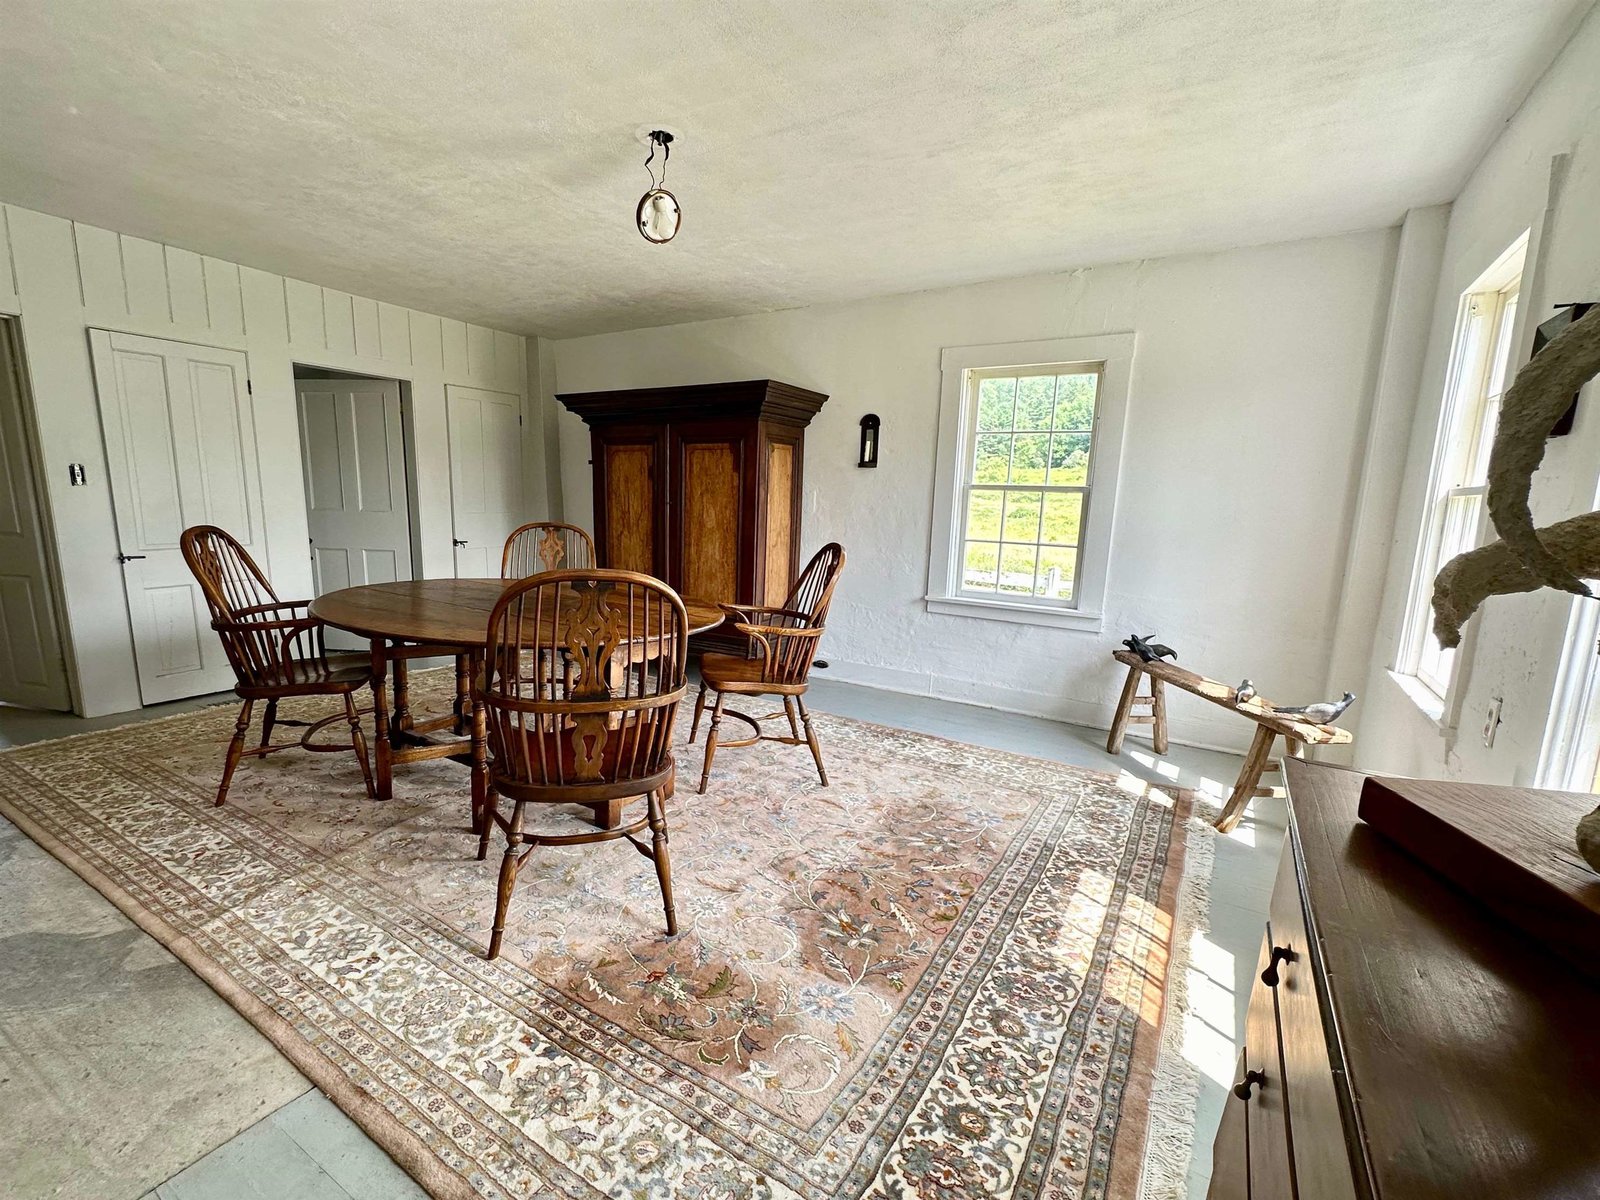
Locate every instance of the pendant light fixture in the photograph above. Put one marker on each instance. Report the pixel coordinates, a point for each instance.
(658, 215)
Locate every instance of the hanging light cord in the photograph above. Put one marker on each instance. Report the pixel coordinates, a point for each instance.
(663, 140)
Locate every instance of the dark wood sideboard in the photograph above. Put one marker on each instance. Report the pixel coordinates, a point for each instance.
(1402, 1042)
(701, 486)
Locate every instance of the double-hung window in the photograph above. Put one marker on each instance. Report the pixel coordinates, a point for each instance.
(1030, 438)
(1455, 519)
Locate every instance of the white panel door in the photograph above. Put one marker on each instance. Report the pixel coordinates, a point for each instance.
(33, 671)
(485, 476)
(352, 447)
(181, 449)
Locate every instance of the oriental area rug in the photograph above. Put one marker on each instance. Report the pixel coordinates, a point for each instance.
(955, 973)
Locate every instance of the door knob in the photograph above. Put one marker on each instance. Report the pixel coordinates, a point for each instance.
(128, 558)
(1251, 1079)
(1279, 954)
(458, 541)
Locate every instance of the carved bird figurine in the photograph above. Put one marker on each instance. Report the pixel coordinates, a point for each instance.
(1245, 692)
(1325, 713)
(1146, 649)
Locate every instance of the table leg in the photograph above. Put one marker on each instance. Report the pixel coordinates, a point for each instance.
(1244, 788)
(1119, 723)
(1158, 714)
(607, 813)
(383, 766)
(463, 702)
(401, 721)
(480, 753)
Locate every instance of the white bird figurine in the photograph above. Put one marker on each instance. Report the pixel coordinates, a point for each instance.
(1325, 713)
(1245, 692)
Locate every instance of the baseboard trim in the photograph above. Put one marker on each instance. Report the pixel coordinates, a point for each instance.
(1196, 731)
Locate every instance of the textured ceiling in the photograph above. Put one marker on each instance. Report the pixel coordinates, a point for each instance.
(479, 159)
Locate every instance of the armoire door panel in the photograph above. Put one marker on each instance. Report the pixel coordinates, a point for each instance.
(629, 497)
(710, 499)
(779, 532)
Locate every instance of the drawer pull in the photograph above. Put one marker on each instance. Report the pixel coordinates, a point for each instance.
(1279, 954)
(1251, 1079)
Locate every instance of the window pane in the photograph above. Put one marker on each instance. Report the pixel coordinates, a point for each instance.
(1016, 569)
(1035, 397)
(1057, 565)
(978, 566)
(994, 403)
(1075, 401)
(1022, 516)
(1460, 526)
(1502, 349)
(1069, 459)
(1028, 454)
(993, 458)
(1062, 516)
(983, 515)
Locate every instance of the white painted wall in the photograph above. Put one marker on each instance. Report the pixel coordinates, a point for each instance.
(1519, 639)
(63, 278)
(1245, 432)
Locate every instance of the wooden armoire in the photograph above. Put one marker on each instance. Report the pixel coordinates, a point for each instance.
(700, 485)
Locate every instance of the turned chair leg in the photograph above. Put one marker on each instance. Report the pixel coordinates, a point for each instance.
(236, 748)
(655, 810)
(463, 702)
(510, 865)
(794, 725)
(268, 720)
(490, 811)
(811, 740)
(699, 707)
(711, 742)
(358, 741)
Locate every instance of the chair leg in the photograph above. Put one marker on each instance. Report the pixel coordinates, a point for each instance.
(235, 749)
(711, 742)
(811, 740)
(491, 810)
(358, 742)
(510, 865)
(699, 707)
(268, 720)
(794, 726)
(655, 810)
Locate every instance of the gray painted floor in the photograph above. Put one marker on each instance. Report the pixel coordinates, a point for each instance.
(123, 1076)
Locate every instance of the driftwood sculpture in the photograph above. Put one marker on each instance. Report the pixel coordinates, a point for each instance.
(1526, 559)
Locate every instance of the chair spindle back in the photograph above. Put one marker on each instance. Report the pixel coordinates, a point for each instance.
(564, 707)
(546, 546)
(260, 635)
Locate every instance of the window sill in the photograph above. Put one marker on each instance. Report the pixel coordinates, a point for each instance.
(1021, 614)
(1421, 695)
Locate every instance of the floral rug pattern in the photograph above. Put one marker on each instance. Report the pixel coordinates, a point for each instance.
(931, 979)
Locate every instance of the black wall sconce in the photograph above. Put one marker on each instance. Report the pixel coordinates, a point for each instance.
(869, 440)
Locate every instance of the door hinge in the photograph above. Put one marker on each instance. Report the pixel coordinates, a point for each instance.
(249, 388)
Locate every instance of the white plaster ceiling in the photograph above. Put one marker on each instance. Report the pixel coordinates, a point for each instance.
(478, 159)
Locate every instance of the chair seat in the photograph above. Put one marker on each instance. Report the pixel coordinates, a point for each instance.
(731, 673)
(337, 677)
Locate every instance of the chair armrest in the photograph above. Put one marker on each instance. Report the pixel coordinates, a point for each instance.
(750, 611)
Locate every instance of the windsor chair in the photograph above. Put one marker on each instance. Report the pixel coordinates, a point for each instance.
(276, 651)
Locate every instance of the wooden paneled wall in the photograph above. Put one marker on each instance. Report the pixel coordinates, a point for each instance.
(63, 278)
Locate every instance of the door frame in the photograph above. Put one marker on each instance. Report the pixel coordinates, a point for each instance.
(408, 443)
(33, 449)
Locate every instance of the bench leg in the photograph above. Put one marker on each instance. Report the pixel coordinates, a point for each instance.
(1158, 713)
(1244, 788)
(1119, 723)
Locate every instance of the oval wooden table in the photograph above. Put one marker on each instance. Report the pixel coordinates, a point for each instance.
(436, 617)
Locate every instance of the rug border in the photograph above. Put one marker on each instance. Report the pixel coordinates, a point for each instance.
(383, 1127)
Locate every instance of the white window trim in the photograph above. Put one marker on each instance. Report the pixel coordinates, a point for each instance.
(1115, 352)
(1445, 710)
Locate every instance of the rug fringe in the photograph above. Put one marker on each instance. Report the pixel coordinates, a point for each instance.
(1175, 1090)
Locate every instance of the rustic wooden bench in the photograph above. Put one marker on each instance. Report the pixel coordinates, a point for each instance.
(1296, 734)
